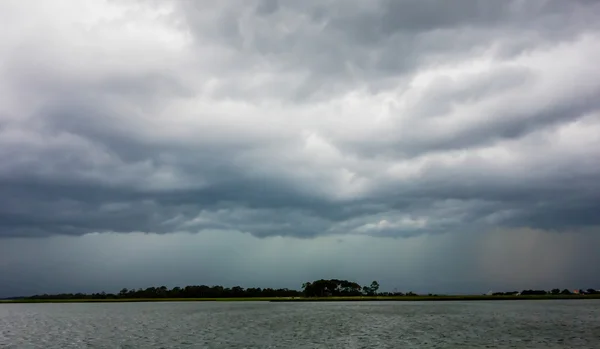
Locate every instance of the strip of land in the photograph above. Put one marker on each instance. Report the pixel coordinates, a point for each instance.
(315, 299)
(436, 298)
(332, 290)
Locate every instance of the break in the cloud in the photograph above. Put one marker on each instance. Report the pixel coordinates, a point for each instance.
(299, 118)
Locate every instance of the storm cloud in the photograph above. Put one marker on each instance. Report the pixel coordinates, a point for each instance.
(299, 119)
(302, 119)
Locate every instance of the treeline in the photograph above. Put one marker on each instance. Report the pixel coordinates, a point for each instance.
(318, 288)
(345, 288)
(201, 291)
(554, 291)
(338, 288)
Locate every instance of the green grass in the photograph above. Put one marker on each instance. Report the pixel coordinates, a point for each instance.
(317, 299)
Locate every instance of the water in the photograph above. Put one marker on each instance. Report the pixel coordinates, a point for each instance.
(513, 324)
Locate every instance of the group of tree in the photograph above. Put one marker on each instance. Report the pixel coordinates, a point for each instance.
(202, 291)
(318, 288)
(555, 292)
(338, 288)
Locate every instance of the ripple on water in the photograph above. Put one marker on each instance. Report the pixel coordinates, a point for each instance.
(522, 324)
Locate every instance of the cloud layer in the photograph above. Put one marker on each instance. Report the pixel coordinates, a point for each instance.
(301, 119)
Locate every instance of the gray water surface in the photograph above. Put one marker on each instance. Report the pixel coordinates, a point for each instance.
(498, 324)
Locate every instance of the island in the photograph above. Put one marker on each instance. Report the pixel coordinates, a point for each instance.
(330, 290)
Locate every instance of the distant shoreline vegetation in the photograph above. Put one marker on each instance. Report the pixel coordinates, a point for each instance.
(319, 290)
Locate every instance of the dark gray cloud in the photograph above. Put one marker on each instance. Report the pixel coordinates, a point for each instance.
(301, 119)
(338, 46)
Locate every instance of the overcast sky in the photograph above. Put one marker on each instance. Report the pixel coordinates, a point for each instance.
(435, 146)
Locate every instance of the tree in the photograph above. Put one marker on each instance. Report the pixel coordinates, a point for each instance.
(162, 291)
(333, 287)
(237, 291)
(308, 289)
(374, 287)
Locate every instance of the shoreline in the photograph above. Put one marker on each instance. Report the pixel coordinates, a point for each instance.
(312, 299)
(438, 298)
